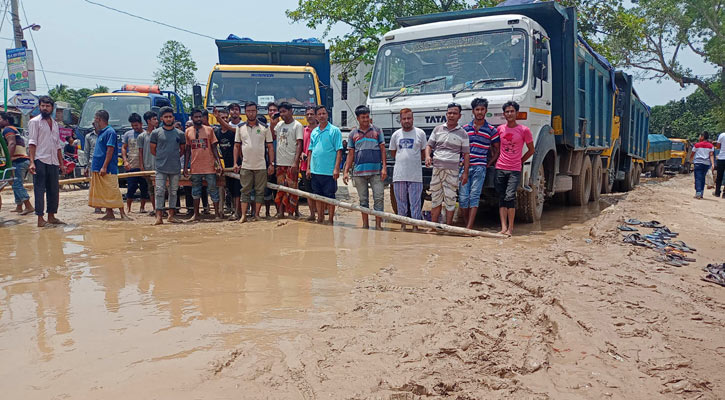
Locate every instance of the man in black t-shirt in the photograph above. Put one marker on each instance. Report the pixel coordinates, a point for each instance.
(225, 144)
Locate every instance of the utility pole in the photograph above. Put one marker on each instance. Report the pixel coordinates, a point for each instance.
(17, 29)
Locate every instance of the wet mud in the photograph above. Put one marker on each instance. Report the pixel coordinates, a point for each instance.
(297, 310)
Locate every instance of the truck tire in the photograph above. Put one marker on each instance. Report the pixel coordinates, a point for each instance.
(628, 183)
(581, 184)
(610, 175)
(660, 170)
(596, 179)
(530, 205)
(637, 174)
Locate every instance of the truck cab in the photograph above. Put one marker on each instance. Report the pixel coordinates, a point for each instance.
(120, 104)
(680, 156)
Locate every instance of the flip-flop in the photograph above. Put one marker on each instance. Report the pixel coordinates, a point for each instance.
(671, 261)
(679, 244)
(652, 224)
(714, 279)
(626, 228)
(633, 221)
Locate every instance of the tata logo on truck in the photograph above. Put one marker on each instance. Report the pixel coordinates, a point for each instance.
(435, 119)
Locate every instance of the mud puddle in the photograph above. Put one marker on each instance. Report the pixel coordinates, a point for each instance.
(104, 306)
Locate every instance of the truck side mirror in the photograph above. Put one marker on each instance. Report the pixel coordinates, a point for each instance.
(67, 117)
(329, 98)
(196, 89)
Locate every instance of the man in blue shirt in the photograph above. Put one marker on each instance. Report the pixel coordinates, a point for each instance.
(325, 154)
(104, 191)
(484, 144)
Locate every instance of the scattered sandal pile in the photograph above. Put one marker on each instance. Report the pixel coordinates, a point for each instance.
(671, 252)
(715, 274)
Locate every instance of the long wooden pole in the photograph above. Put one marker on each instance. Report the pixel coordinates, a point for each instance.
(384, 215)
(88, 179)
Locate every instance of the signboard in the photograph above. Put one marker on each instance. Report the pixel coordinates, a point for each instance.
(24, 101)
(64, 133)
(18, 69)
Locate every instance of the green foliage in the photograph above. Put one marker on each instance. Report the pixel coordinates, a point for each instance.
(176, 70)
(76, 97)
(688, 117)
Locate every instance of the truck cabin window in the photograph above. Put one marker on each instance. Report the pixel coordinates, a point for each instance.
(478, 61)
(229, 87)
(678, 146)
(118, 107)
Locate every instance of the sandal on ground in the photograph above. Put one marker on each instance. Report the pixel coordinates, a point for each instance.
(652, 224)
(712, 278)
(633, 221)
(626, 228)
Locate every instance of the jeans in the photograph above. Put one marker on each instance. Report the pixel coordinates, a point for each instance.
(197, 186)
(720, 166)
(361, 184)
(408, 197)
(700, 172)
(469, 194)
(161, 179)
(507, 182)
(21, 169)
(45, 185)
(134, 183)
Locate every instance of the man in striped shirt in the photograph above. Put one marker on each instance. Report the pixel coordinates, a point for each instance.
(483, 141)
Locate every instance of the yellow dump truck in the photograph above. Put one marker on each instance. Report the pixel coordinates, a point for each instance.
(680, 156)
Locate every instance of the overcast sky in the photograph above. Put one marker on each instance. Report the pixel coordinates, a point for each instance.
(83, 45)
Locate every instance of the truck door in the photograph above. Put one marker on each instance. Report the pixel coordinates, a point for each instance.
(542, 75)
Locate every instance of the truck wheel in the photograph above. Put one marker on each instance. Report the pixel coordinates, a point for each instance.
(596, 179)
(530, 205)
(660, 170)
(628, 183)
(637, 174)
(610, 175)
(582, 184)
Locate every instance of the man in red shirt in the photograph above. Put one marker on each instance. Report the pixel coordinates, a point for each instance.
(201, 149)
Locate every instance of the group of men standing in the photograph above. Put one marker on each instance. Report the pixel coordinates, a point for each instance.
(282, 149)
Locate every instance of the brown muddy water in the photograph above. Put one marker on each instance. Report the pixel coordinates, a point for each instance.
(108, 306)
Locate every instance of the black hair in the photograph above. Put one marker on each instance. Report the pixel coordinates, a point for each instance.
(308, 108)
(7, 117)
(166, 110)
(196, 110)
(360, 110)
(451, 105)
(46, 100)
(148, 115)
(134, 118)
(510, 103)
(224, 110)
(320, 107)
(271, 103)
(479, 102)
(235, 105)
(705, 135)
(286, 105)
(102, 114)
(249, 104)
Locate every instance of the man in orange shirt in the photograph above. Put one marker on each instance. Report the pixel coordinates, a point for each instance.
(201, 150)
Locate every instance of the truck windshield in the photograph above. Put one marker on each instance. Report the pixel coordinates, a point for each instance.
(678, 146)
(457, 62)
(226, 87)
(118, 107)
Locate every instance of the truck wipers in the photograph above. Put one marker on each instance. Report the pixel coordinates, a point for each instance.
(480, 81)
(412, 85)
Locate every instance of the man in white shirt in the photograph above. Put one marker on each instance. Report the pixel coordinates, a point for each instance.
(407, 145)
(720, 164)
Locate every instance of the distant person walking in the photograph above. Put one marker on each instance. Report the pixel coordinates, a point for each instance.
(447, 145)
(305, 183)
(325, 156)
(104, 191)
(201, 151)
(46, 153)
(703, 159)
(290, 135)
(366, 148)
(131, 154)
(250, 143)
(720, 164)
(508, 167)
(484, 144)
(167, 146)
(146, 160)
(20, 161)
(407, 145)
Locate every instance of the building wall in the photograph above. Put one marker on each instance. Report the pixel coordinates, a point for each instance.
(345, 101)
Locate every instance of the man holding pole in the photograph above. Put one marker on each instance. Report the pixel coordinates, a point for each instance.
(45, 155)
(201, 151)
(104, 191)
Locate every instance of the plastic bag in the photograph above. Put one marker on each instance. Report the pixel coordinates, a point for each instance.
(709, 180)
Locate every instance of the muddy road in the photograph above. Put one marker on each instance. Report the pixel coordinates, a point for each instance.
(293, 310)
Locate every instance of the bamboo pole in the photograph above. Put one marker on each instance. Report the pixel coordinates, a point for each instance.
(384, 215)
(88, 179)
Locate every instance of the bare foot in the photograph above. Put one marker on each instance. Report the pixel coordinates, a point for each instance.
(366, 226)
(41, 222)
(55, 221)
(311, 218)
(17, 209)
(173, 220)
(321, 220)
(279, 216)
(243, 220)
(27, 211)
(195, 218)
(508, 233)
(125, 217)
(158, 221)
(107, 217)
(503, 231)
